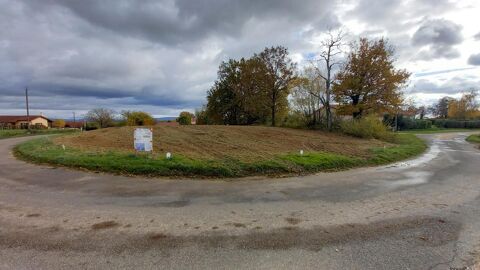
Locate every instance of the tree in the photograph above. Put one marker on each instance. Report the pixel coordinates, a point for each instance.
(464, 108)
(185, 118)
(279, 73)
(331, 48)
(307, 92)
(368, 82)
(102, 117)
(440, 109)
(237, 97)
(137, 118)
(421, 111)
(59, 123)
(221, 100)
(202, 116)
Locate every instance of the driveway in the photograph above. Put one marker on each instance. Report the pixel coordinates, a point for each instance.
(418, 214)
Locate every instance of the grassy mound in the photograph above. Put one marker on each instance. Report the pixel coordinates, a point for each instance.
(474, 138)
(218, 151)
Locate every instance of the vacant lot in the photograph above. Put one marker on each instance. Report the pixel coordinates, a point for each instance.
(243, 143)
(218, 151)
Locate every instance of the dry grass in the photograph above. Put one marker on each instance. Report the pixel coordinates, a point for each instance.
(243, 143)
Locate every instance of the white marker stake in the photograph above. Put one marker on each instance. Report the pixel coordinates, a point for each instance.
(168, 155)
(301, 152)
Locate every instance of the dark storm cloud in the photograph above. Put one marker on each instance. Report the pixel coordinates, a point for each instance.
(135, 53)
(173, 22)
(397, 19)
(163, 55)
(474, 59)
(440, 36)
(440, 31)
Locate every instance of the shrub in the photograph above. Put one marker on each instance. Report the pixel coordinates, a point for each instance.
(472, 124)
(202, 117)
(295, 120)
(137, 118)
(59, 123)
(368, 127)
(90, 126)
(185, 118)
(407, 123)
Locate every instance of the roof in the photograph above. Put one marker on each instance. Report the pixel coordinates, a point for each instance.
(71, 124)
(16, 118)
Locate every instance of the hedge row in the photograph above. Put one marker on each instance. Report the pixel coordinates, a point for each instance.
(408, 123)
(450, 123)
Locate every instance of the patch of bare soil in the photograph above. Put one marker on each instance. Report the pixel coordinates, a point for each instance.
(104, 225)
(244, 143)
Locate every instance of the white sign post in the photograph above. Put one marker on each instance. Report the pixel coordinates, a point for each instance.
(143, 140)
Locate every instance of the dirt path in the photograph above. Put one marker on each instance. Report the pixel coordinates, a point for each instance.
(416, 214)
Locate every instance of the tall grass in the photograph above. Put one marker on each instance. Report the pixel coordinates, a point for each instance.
(369, 127)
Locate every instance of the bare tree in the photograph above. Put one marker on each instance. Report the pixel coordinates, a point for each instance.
(307, 91)
(101, 116)
(328, 59)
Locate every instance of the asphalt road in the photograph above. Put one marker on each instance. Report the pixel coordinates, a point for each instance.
(418, 214)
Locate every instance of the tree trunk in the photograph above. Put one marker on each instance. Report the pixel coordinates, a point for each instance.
(329, 117)
(273, 114)
(274, 107)
(357, 115)
(355, 101)
(328, 85)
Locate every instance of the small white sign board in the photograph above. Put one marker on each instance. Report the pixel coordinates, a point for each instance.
(143, 140)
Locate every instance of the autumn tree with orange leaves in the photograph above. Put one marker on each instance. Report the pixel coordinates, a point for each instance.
(466, 107)
(369, 82)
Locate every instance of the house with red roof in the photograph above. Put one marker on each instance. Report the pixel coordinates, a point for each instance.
(22, 121)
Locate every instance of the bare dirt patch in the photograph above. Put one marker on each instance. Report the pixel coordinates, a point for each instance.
(293, 221)
(157, 236)
(243, 143)
(104, 225)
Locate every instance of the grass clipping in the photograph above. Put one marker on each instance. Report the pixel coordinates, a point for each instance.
(218, 151)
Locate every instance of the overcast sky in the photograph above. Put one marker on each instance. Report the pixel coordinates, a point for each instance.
(162, 56)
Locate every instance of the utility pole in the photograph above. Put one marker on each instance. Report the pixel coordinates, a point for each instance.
(28, 110)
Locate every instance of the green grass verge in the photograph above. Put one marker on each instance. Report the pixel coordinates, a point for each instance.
(407, 145)
(43, 150)
(10, 133)
(435, 130)
(474, 138)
